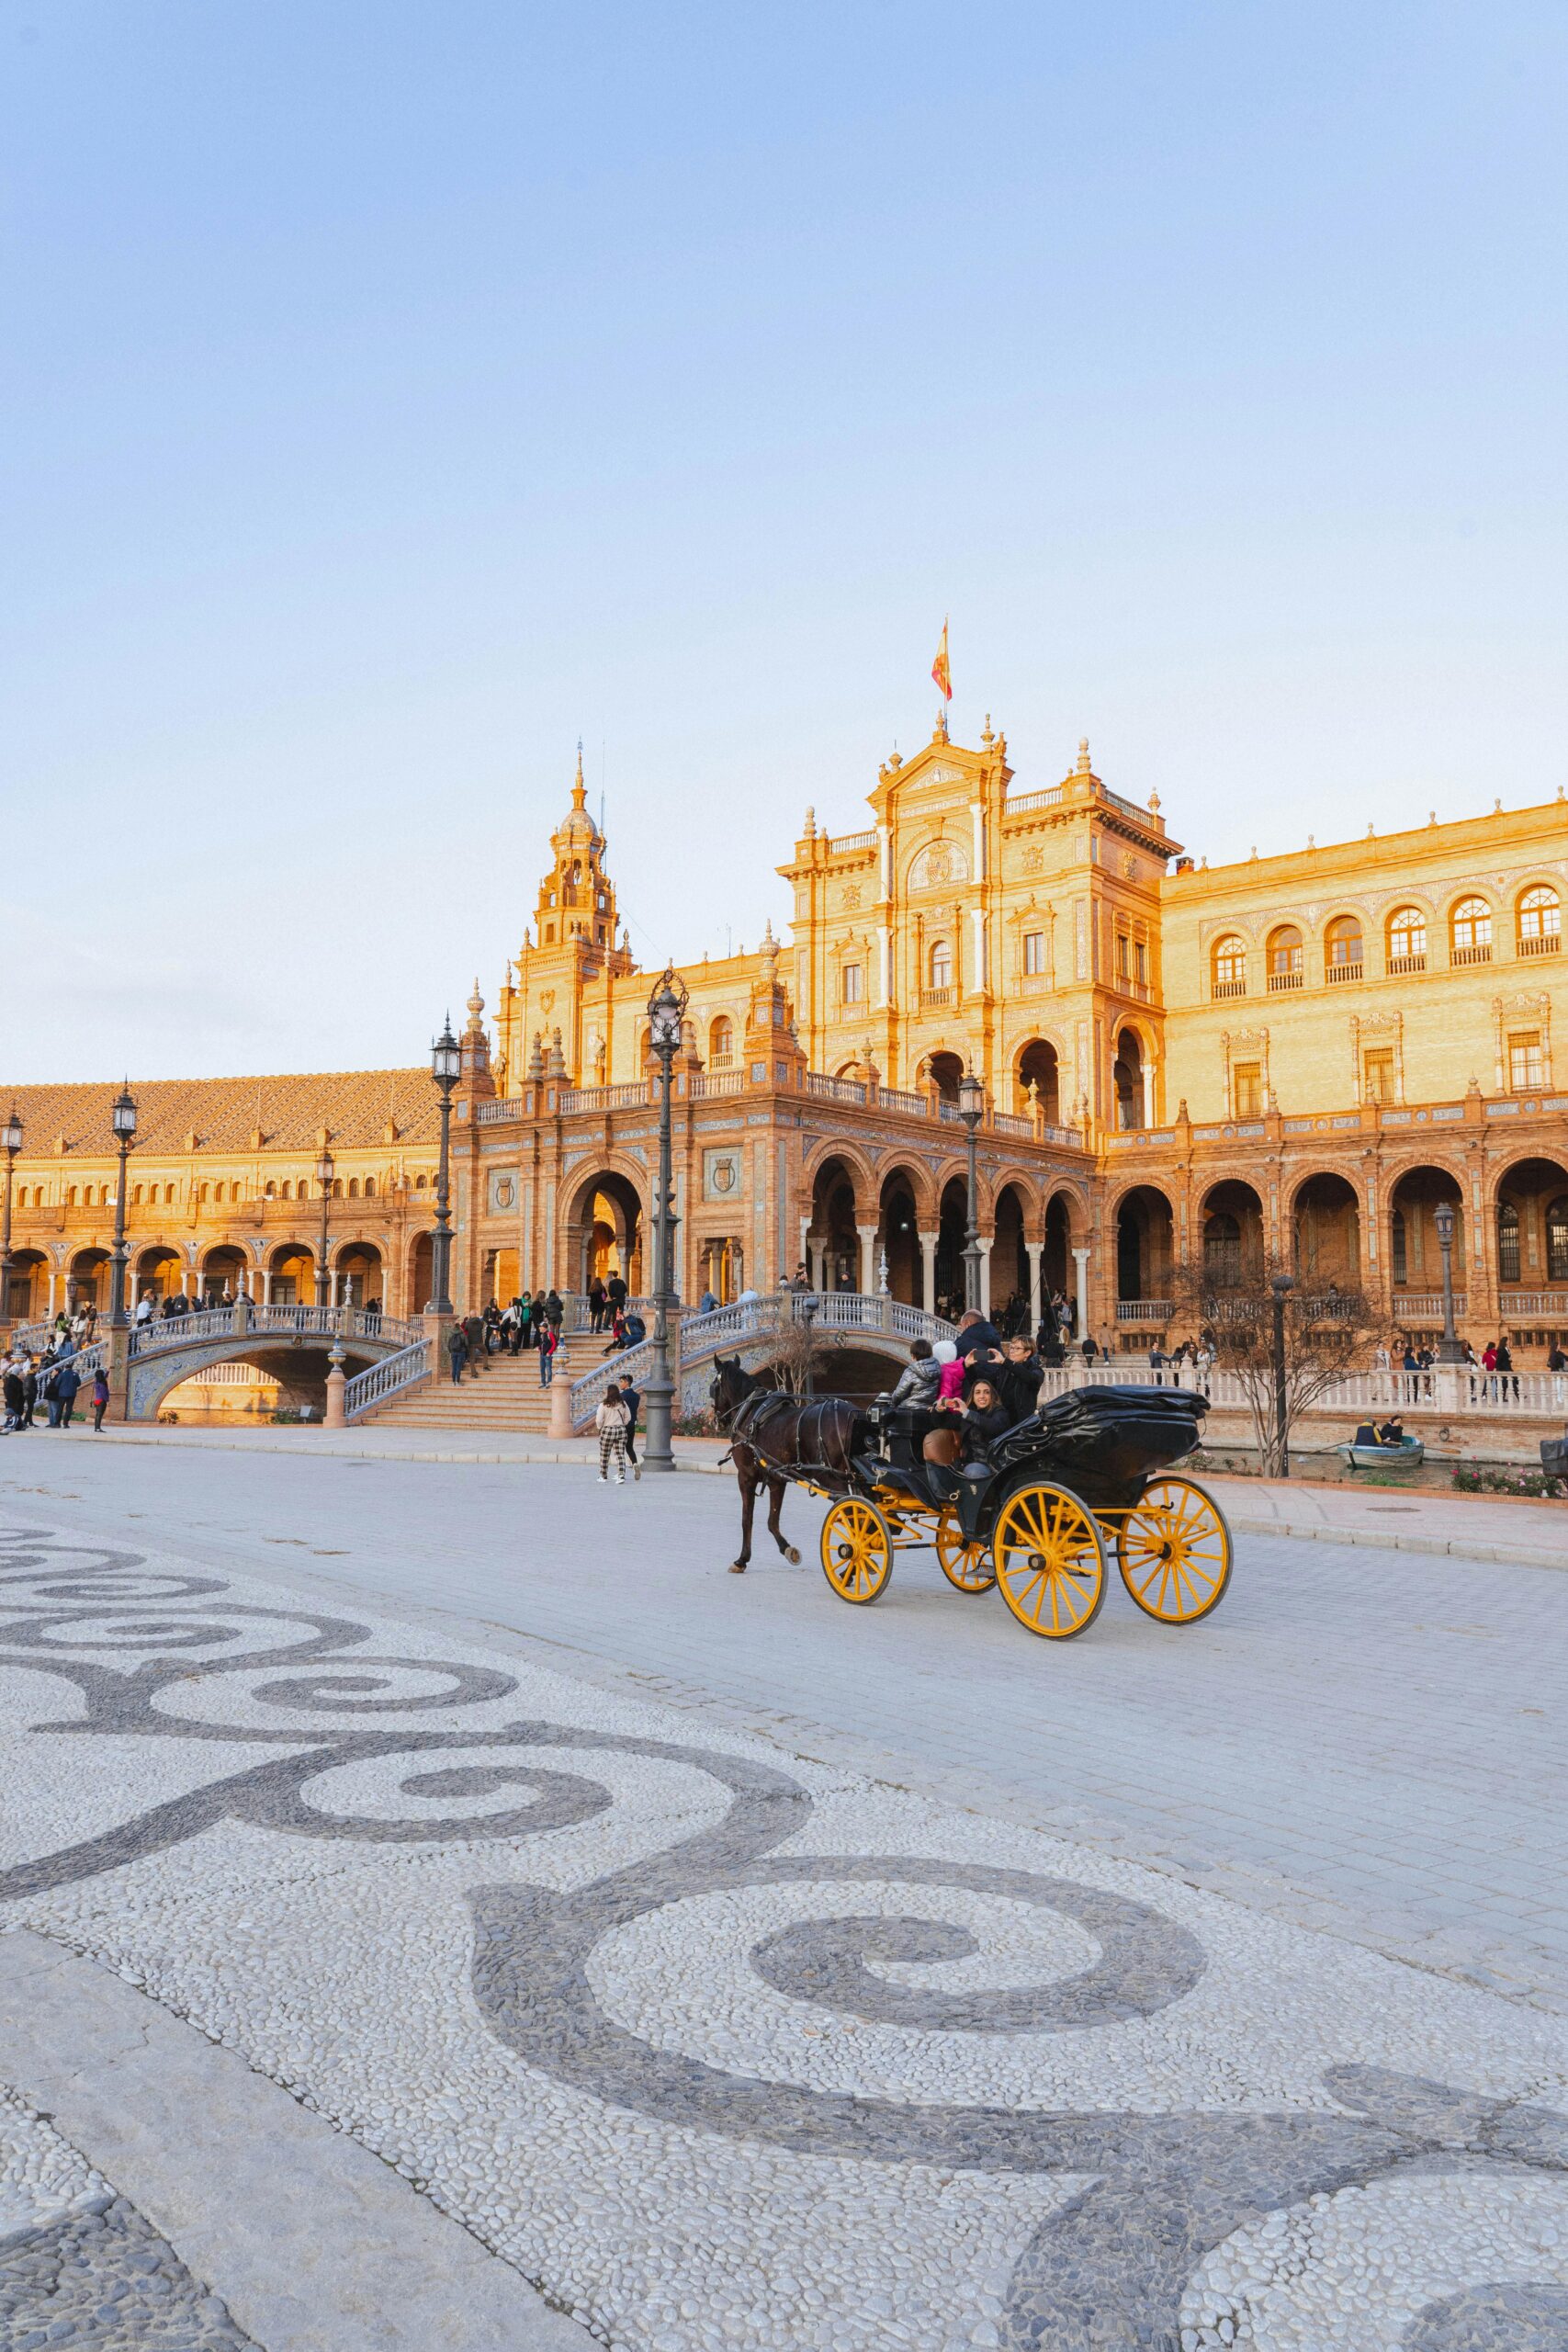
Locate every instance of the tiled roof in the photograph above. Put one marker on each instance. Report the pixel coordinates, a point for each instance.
(225, 1113)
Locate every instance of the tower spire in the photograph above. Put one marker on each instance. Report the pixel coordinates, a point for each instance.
(579, 789)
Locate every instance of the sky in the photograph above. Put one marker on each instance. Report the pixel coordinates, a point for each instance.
(392, 394)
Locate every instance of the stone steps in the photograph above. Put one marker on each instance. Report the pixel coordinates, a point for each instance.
(505, 1396)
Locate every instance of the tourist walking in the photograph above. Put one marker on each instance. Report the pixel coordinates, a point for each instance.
(67, 1381)
(632, 1400)
(458, 1353)
(12, 1388)
(549, 1341)
(100, 1399)
(598, 1299)
(611, 1420)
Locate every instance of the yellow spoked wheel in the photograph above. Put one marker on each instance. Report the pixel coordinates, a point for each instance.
(1049, 1560)
(857, 1550)
(1173, 1551)
(966, 1566)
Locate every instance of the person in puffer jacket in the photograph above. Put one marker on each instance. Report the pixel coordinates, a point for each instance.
(920, 1380)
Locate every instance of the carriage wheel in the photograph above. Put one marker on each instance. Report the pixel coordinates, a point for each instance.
(857, 1550)
(1173, 1551)
(964, 1565)
(1049, 1559)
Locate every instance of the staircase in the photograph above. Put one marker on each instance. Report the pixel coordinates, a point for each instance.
(506, 1394)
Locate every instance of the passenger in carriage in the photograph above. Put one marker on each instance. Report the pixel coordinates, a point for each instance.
(920, 1379)
(985, 1418)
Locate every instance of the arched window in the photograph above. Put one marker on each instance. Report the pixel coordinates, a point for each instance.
(940, 964)
(70, 1196)
(136, 1197)
(1406, 940)
(1557, 1240)
(1399, 1242)
(1469, 932)
(370, 1188)
(288, 1188)
(354, 1188)
(1284, 957)
(1230, 966)
(1508, 1242)
(721, 1043)
(271, 1191)
(1540, 922)
(204, 1192)
(421, 1180)
(1342, 949)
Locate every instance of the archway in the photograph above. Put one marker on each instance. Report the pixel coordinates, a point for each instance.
(1038, 1080)
(1233, 1236)
(1415, 1254)
(29, 1285)
(223, 1275)
(1127, 1076)
(1326, 1234)
(603, 1232)
(1144, 1254)
(1010, 1265)
(291, 1276)
(422, 1275)
(158, 1275)
(1056, 1268)
(942, 1073)
(900, 1221)
(951, 1225)
(359, 1278)
(1532, 1226)
(833, 1241)
(87, 1280)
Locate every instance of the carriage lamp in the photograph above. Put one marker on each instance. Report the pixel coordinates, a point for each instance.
(324, 1166)
(1448, 1348)
(446, 1057)
(971, 1100)
(666, 1027)
(11, 1143)
(446, 1069)
(123, 1119)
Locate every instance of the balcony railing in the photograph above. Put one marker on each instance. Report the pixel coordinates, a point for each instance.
(1282, 980)
(1481, 954)
(838, 842)
(1227, 989)
(1399, 966)
(1156, 1311)
(1335, 973)
(1017, 804)
(932, 998)
(1542, 947)
(834, 1090)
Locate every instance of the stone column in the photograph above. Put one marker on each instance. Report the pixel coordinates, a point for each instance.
(928, 1242)
(987, 1241)
(1035, 1251)
(1148, 1093)
(867, 1259)
(1080, 1261)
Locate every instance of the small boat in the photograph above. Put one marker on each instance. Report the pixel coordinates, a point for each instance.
(1408, 1454)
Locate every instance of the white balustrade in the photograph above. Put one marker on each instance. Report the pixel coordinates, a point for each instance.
(386, 1379)
(626, 1363)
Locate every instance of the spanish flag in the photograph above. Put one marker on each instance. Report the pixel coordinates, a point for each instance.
(940, 670)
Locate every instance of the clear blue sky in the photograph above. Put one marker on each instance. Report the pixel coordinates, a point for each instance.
(391, 393)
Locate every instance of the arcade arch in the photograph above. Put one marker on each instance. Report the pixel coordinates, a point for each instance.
(1325, 1232)
(1145, 1245)
(1532, 1223)
(1233, 1247)
(603, 1231)
(1037, 1078)
(1415, 1256)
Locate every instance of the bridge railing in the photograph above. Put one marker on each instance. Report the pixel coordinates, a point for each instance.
(165, 1333)
(383, 1380)
(628, 1363)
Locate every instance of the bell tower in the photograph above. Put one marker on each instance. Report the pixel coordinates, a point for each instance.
(570, 947)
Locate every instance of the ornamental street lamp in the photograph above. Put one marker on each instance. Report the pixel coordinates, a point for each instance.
(1448, 1348)
(971, 1110)
(666, 1026)
(324, 1166)
(122, 1118)
(1281, 1285)
(11, 1143)
(446, 1069)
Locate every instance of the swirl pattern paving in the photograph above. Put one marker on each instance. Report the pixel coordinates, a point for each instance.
(718, 2045)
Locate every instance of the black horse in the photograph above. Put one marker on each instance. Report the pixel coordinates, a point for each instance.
(770, 1432)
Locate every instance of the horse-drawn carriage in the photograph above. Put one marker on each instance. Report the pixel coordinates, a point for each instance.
(1086, 1474)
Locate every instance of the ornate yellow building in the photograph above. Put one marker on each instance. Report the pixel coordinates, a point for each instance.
(1298, 1056)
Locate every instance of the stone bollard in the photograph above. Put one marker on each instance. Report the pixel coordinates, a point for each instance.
(560, 1405)
(337, 1381)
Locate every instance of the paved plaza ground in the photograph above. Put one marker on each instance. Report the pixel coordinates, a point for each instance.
(448, 1907)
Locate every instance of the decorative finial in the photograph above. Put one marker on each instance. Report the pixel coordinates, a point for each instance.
(1312, 843)
(810, 827)
(476, 1003)
(1370, 832)
(1154, 804)
(1496, 807)
(579, 789)
(1255, 849)
(986, 735)
(1083, 756)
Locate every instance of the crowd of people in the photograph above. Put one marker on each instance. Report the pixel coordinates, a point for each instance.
(53, 1376)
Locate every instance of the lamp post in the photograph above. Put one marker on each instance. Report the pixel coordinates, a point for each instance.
(122, 1118)
(1281, 1285)
(324, 1179)
(972, 1110)
(1448, 1348)
(445, 1067)
(11, 1142)
(666, 1016)
(808, 1306)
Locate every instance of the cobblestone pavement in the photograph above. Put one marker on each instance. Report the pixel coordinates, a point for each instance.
(1358, 1740)
(727, 2048)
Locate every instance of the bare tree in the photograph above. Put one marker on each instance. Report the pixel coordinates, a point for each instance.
(802, 1349)
(1286, 1345)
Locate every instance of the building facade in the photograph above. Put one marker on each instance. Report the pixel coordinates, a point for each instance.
(1294, 1058)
